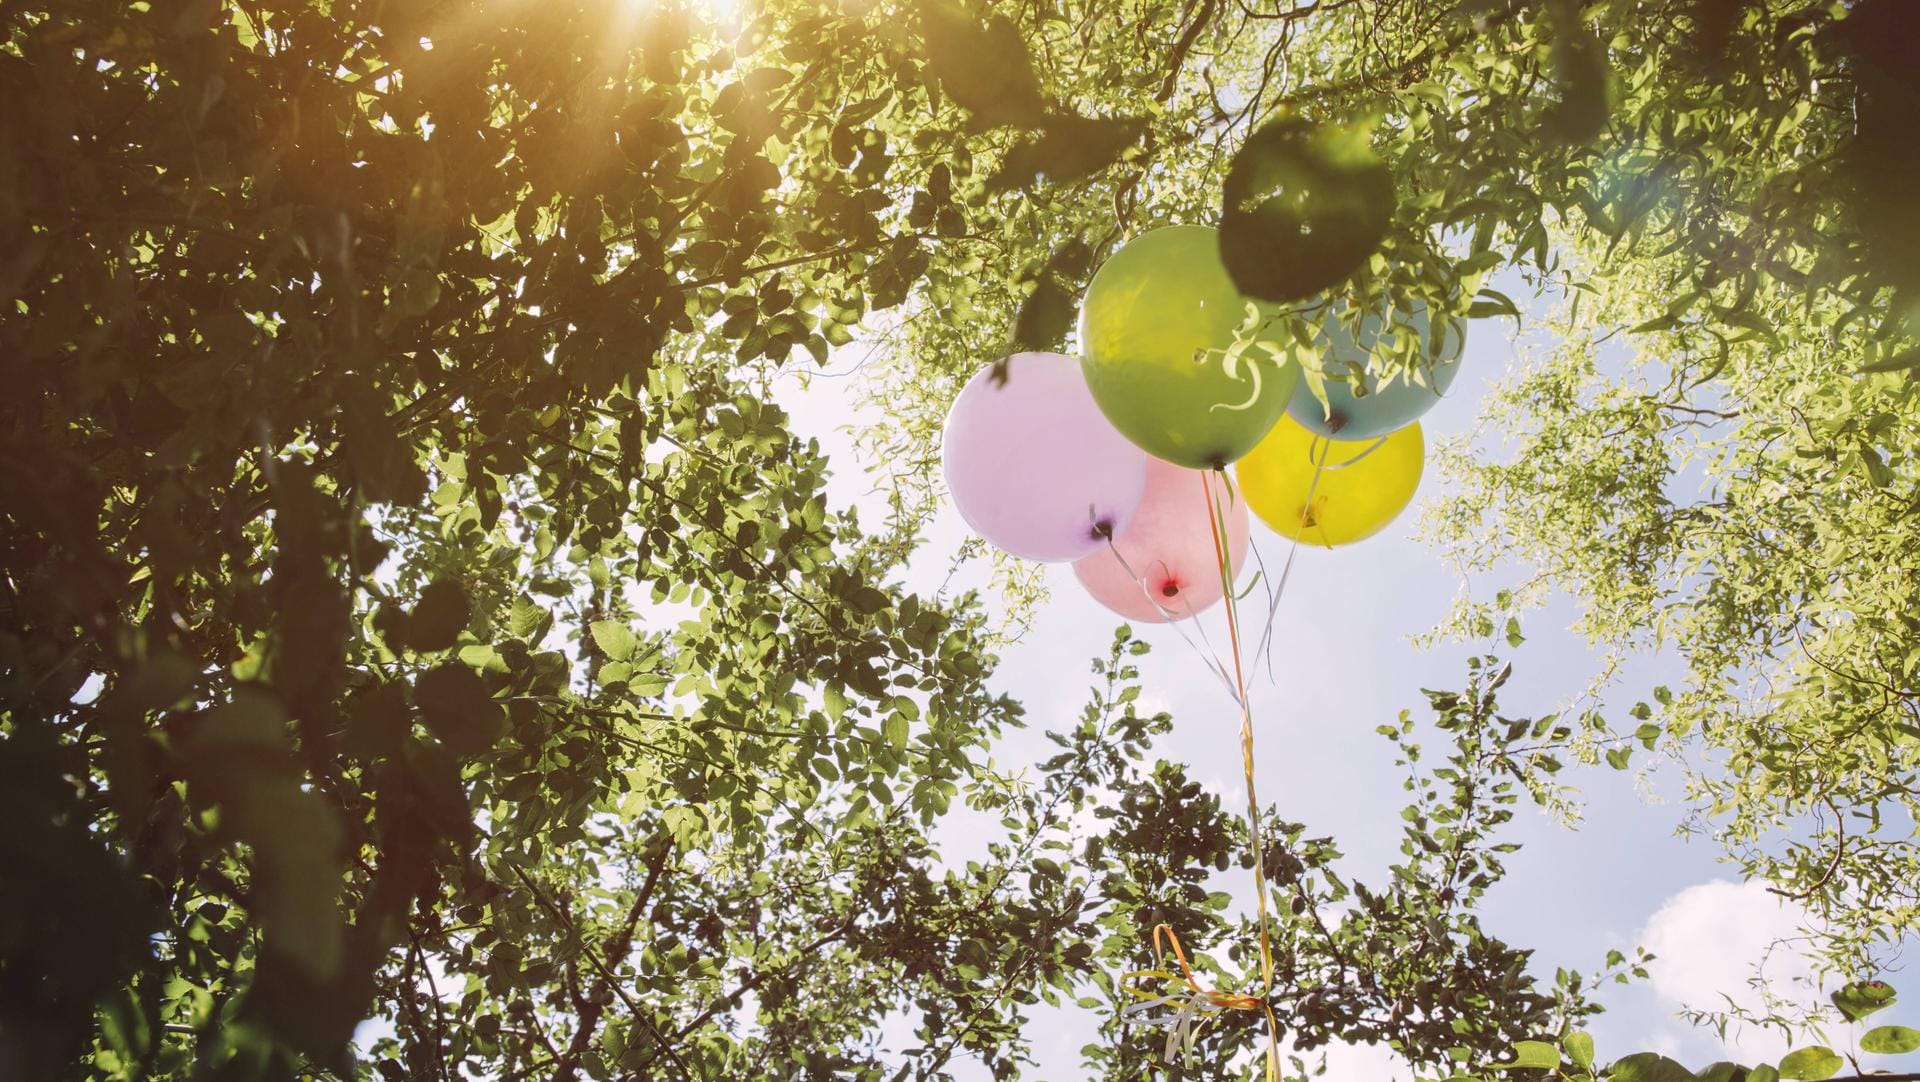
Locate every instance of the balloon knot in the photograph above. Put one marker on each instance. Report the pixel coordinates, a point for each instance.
(1170, 590)
(1309, 514)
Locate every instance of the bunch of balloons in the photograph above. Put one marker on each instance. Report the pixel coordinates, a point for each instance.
(1116, 461)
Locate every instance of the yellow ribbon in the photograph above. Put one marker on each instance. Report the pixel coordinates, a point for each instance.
(1209, 1000)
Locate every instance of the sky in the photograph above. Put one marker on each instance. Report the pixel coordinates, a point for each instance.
(1345, 663)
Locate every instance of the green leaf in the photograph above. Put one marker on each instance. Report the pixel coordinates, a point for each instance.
(529, 621)
(1899, 362)
(1811, 1064)
(1531, 1054)
(1877, 472)
(1763, 1073)
(687, 824)
(836, 701)
(1489, 303)
(1890, 1040)
(1859, 999)
(895, 730)
(866, 600)
(614, 638)
(1723, 1071)
(1579, 1048)
(1648, 1067)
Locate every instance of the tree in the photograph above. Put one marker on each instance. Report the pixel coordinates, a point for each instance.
(413, 603)
(1717, 456)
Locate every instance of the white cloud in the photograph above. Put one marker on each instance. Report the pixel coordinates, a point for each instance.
(1720, 940)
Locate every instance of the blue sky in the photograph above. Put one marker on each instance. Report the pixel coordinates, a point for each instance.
(1344, 663)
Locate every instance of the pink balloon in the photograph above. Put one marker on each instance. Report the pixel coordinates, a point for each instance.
(1034, 466)
(1171, 569)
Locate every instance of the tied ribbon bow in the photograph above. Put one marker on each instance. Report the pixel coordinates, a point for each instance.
(1197, 1005)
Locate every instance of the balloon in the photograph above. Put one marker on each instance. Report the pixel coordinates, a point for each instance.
(1360, 489)
(1168, 549)
(1156, 320)
(1383, 408)
(1033, 466)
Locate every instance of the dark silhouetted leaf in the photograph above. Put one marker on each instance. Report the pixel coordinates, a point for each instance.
(1491, 302)
(1304, 206)
(1648, 1067)
(459, 709)
(1069, 147)
(1579, 110)
(1859, 999)
(1723, 1071)
(1045, 317)
(982, 67)
(439, 618)
(1903, 361)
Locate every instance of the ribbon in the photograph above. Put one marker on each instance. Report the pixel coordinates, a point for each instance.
(1197, 1005)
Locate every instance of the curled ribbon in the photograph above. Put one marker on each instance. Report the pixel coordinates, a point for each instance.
(1196, 1005)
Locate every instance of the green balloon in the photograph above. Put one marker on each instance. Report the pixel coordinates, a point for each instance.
(1155, 329)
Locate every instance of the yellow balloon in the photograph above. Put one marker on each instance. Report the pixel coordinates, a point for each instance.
(1331, 492)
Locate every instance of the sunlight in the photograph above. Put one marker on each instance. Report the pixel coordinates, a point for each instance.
(728, 15)
(723, 12)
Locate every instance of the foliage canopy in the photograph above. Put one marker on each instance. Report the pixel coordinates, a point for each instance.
(412, 601)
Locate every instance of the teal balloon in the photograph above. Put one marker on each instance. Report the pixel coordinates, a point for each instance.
(1384, 407)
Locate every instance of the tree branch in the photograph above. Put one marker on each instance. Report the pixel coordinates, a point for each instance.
(595, 1002)
(1184, 46)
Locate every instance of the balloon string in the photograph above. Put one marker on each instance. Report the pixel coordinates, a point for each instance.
(1205, 1000)
(1216, 521)
(1207, 653)
(1319, 440)
(1279, 589)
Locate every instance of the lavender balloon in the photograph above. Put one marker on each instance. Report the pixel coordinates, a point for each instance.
(1034, 466)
